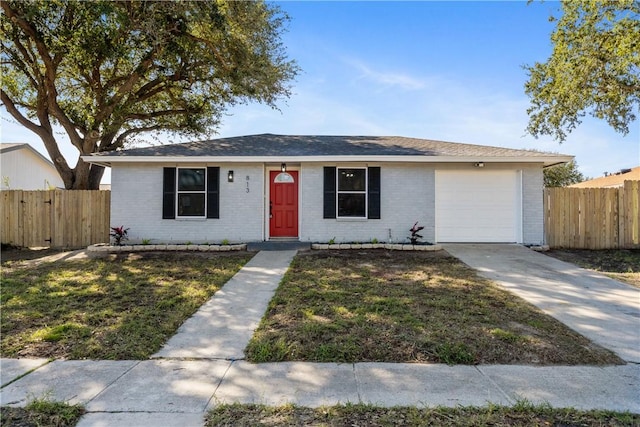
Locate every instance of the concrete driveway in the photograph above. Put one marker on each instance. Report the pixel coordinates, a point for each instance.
(602, 309)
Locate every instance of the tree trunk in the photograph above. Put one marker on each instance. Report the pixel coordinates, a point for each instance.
(80, 176)
(95, 176)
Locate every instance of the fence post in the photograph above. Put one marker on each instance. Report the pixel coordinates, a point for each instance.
(631, 207)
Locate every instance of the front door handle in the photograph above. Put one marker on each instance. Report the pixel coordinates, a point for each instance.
(270, 209)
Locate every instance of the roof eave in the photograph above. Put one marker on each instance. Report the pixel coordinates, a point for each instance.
(109, 160)
(20, 146)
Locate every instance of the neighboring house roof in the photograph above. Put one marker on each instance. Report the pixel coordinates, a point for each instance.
(24, 168)
(269, 147)
(613, 180)
(6, 147)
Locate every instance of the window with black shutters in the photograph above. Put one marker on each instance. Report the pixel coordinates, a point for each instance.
(191, 193)
(351, 192)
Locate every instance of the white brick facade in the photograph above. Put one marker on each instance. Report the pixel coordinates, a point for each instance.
(533, 205)
(136, 203)
(407, 196)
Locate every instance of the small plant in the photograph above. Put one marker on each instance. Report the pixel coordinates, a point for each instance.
(506, 336)
(146, 241)
(414, 233)
(332, 241)
(225, 242)
(374, 241)
(44, 412)
(454, 354)
(61, 332)
(119, 234)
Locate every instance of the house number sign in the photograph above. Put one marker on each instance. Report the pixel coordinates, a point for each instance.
(247, 179)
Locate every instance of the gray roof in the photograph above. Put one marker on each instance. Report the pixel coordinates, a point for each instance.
(10, 146)
(269, 145)
(7, 147)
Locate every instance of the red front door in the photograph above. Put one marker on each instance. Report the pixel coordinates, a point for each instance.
(283, 204)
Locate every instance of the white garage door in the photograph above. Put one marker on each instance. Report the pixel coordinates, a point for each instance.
(478, 206)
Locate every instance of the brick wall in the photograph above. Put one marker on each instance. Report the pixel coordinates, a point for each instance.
(532, 206)
(407, 196)
(137, 203)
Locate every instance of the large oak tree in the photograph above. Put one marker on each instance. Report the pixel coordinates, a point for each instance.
(109, 71)
(594, 69)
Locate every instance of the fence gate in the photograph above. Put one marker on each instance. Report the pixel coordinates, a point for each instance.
(57, 218)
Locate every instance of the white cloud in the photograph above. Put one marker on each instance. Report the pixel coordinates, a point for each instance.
(386, 79)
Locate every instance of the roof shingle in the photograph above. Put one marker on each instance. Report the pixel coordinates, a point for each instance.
(269, 145)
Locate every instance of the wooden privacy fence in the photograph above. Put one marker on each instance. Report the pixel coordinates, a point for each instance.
(57, 218)
(593, 218)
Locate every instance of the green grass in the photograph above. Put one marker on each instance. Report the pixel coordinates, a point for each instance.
(408, 307)
(42, 413)
(117, 308)
(521, 414)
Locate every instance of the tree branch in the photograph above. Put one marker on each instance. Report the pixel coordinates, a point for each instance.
(13, 110)
(120, 140)
(126, 87)
(156, 114)
(26, 60)
(46, 135)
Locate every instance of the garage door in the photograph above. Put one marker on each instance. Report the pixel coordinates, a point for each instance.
(478, 206)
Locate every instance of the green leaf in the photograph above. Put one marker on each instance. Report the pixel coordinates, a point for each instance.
(594, 69)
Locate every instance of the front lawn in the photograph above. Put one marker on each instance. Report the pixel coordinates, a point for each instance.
(390, 306)
(619, 264)
(122, 307)
(521, 415)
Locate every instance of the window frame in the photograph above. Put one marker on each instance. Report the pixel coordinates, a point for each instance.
(365, 192)
(179, 192)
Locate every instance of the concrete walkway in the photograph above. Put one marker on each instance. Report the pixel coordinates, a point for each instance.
(223, 326)
(192, 376)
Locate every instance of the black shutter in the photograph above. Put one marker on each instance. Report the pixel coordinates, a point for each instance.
(169, 193)
(374, 193)
(329, 192)
(213, 192)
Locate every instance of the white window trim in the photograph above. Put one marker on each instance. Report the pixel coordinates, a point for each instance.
(178, 192)
(365, 192)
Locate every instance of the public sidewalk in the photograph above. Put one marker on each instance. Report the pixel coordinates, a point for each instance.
(179, 392)
(199, 367)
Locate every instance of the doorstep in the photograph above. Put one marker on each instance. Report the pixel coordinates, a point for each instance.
(279, 245)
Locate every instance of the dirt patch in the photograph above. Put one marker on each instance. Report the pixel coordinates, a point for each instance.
(10, 253)
(41, 414)
(619, 264)
(17, 417)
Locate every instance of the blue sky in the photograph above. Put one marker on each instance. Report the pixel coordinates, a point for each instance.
(449, 71)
